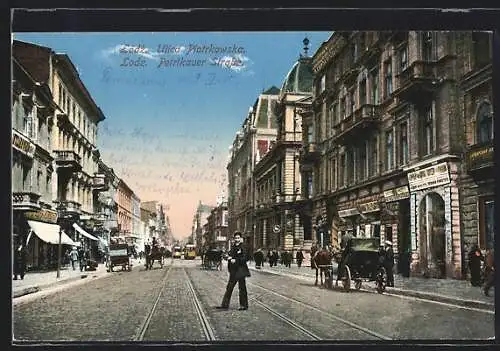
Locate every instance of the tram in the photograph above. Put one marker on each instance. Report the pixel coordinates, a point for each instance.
(189, 252)
(176, 252)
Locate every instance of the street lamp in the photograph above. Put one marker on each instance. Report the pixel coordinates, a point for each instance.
(60, 210)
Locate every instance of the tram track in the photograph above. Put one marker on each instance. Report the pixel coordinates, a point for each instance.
(206, 327)
(203, 318)
(139, 336)
(330, 316)
(306, 331)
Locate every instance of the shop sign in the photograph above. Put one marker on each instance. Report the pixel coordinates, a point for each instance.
(480, 157)
(46, 216)
(367, 207)
(221, 238)
(429, 177)
(397, 194)
(348, 212)
(23, 144)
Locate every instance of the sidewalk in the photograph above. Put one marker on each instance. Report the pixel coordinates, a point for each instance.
(36, 281)
(458, 292)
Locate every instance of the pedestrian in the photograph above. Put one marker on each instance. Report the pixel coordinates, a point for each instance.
(19, 261)
(299, 257)
(73, 256)
(238, 272)
(81, 256)
(475, 258)
(489, 271)
(389, 263)
(258, 258)
(276, 257)
(289, 259)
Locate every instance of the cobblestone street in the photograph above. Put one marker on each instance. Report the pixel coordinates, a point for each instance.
(177, 303)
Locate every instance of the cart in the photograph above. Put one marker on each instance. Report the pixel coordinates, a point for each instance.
(362, 262)
(119, 256)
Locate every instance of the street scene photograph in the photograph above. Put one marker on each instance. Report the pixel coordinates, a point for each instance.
(301, 186)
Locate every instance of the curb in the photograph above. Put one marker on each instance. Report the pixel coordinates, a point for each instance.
(411, 293)
(38, 288)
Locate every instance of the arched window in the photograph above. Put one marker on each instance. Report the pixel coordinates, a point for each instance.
(484, 123)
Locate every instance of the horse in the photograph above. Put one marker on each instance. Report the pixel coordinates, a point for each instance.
(320, 261)
(153, 254)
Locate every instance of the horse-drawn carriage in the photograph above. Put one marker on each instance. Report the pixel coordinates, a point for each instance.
(119, 255)
(154, 253)
(361, 261)
(213, 259)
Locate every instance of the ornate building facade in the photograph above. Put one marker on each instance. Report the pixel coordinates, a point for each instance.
(277, 174)
(74, 122)
(385, 152)
(251, 144)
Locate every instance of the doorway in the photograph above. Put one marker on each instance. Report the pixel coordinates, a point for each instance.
(432, 236)
(404, 238)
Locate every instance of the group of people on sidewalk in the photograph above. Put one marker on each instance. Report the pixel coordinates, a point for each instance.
(273, 257)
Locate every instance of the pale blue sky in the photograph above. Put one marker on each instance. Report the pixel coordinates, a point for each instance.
(190, 110)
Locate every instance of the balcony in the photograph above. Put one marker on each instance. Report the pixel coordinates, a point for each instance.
(25, 201)
(418, 82)
(310, 153)
(480, 158)
(99, 182)
(350, 75)
(71, 207)
(362, 120)
(68, 159)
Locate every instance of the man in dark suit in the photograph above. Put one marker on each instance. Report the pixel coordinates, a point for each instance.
(238, 272)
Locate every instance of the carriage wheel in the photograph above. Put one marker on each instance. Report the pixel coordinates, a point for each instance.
(346, 280)
(357, 284)
(381, 280)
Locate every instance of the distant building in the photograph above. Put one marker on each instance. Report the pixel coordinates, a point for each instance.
(252, 142)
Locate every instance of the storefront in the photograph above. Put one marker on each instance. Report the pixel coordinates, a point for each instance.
(395, 221)
(42, 239)
(435, 221)
(360, 218)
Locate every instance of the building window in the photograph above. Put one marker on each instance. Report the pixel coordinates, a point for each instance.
(350, 168)
(375, 90)
(64, 100)
(26, 178)
(403, 58)
(484, 123)
(403, 144)
(342, 170)
(310, 138)
(481, 48)
(428, 47)
(323, 83)
(38, 179)
(343, 108)
(389, 147)
(428, 131)
(388, 77)
(362, 161)
(28, 123)
(373, 157)
(48, 184)
(486, 222)
(352, 100)
(73, 113)
(362, 92)
(60, 94)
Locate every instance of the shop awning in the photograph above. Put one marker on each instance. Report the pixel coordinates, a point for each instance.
(49, 233)
(83, 232)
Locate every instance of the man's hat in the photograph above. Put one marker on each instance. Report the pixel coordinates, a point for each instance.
(237, 233)
(388, 243)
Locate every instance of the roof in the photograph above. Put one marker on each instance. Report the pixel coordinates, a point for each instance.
(300, 77)
(272, 91)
